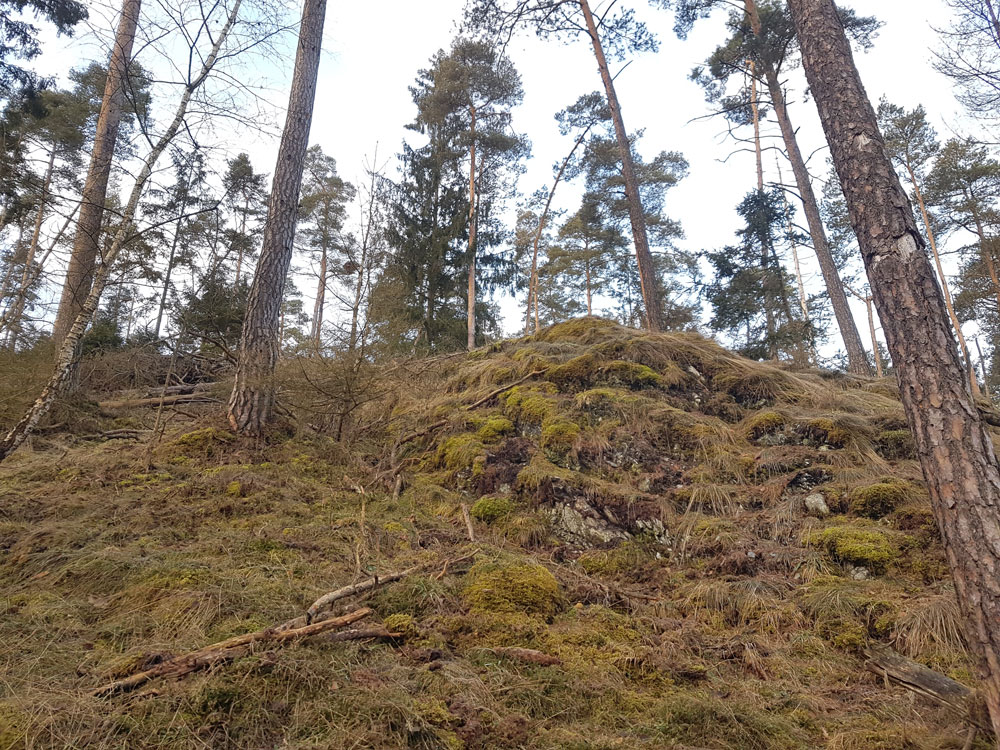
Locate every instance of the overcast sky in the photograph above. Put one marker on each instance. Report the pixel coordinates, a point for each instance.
(373, 50)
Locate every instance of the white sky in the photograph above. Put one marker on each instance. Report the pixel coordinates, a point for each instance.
(373, 50)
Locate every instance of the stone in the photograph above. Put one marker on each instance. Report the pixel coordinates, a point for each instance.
(816, 505)
(860, 574)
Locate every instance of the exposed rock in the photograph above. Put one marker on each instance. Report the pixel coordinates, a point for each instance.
(816, 505)
(579, 523)
(860, 574)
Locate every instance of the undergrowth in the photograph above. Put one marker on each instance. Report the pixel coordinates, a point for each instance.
(640, 514)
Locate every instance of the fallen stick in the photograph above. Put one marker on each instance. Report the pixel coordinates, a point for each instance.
(224, 651)
(342, 593)
(468, 522)
(360, 588)
(924, 681)
(183, 398)
(493, 394)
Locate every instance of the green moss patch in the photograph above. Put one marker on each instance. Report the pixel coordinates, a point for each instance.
(880, 499)
(492, 508)
(513, 587)
(869, 548)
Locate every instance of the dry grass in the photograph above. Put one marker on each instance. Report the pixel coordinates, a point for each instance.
(713, 626)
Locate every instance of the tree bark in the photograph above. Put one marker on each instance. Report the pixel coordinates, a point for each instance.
(251, 405)
(956, 453)
(471, 301)
(86, 245)
(647, 270)
(857, 360)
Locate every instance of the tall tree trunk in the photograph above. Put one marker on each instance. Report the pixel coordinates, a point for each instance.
(879, 372)
(80, 273)
(973, 380)
(590, 306)
(20, 300)
(647, 270)
(173, 253)
(66, 356)
(533, 280)
(956, 453)
(857, 360)
(251, 405)
(320, 301)
(764, 261)
(471, 300)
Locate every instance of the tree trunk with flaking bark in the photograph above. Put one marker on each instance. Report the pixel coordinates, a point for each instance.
(86, 245)
(471, 300)
(647, 270)
(949, 304)
(66, 352)
(857, 360)
(251, 405)
(956, 453)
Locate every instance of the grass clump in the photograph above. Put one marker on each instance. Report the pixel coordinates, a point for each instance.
(463, 452)
(207, 442)
(513, 587)
(896, 444)
(705, 721)
(869, 548)
(492, 508)
(880, 499)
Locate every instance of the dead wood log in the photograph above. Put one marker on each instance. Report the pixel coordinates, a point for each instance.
(181, 398)
(932, 685)
(224, 651)
(123, 434)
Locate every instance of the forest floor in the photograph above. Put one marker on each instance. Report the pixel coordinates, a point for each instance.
(673, 547)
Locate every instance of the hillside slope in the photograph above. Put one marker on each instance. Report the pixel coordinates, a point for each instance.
(673, 547)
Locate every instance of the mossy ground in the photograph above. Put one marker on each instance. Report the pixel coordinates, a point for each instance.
(723, 615)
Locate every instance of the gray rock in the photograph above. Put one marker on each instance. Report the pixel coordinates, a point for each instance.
(816, 505)
(859, 573)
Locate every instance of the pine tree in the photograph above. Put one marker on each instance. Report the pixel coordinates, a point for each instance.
(323, 206)
(473, 88)
(955, 450)
(912, 145)
(251, 405)
(762, 33)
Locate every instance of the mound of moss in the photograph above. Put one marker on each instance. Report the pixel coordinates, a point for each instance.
(513, 587)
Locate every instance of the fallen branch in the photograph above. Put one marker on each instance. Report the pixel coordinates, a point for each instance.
(493, 394)
(360, 588)
(224, 651)
(935, 686)
(181, 398)
(123, 434)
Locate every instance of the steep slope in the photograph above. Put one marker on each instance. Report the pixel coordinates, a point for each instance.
(673, 547)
